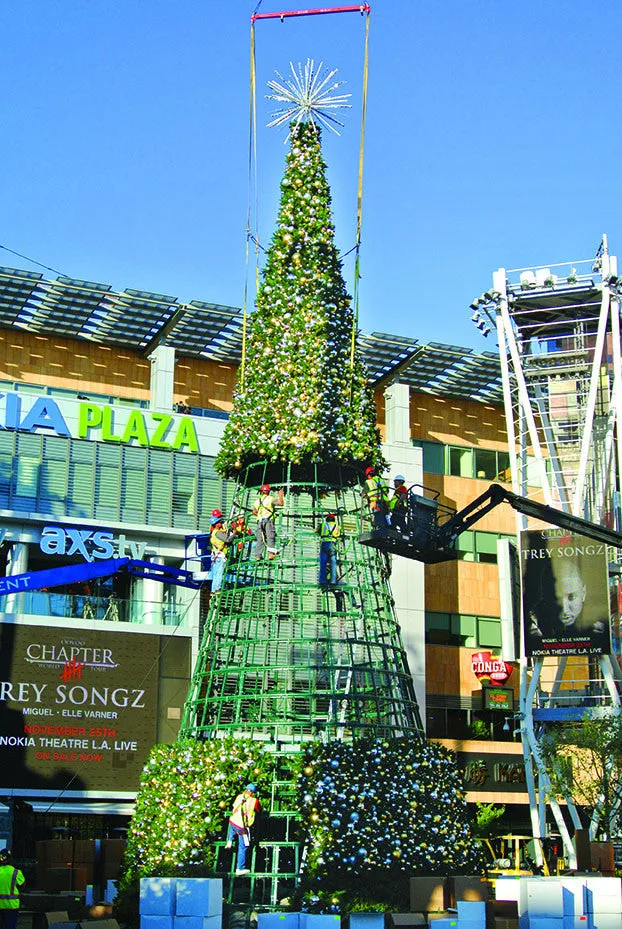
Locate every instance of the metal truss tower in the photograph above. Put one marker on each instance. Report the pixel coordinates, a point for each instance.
(559, 339)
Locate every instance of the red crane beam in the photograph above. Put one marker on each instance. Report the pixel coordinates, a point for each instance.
(285, 14)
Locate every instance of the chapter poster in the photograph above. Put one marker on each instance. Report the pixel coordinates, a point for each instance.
(78, 708)
(565, 594)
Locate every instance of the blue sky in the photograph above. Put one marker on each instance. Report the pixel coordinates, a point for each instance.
(493, 138)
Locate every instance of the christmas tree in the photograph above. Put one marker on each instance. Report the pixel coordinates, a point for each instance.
(303, 397)
(310, 666)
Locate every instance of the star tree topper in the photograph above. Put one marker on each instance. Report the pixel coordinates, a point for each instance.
(307, 96)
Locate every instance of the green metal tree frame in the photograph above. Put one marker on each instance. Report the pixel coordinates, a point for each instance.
(285, 658)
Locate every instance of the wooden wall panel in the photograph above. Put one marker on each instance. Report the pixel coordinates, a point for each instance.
(76, 364)
(457, 492)
(457, 422)
(462, 587)
(72, 364)
(207, 384)
(449, 671)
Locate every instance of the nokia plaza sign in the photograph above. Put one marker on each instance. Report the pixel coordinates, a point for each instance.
(83, 419)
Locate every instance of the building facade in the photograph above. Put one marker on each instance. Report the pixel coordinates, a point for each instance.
(111, 411)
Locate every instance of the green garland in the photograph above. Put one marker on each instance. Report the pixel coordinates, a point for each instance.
(186, 792)
(302, 400)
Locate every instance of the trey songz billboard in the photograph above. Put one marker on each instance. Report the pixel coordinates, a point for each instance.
(565, 594)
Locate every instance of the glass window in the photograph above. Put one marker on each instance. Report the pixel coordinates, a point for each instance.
(107, 488)
(503, 467)
(26, 470)
(433, 457)
(29, 389)
(81, 486)
(80, 490)
(464, 630)
(489, 632)
(27, 477)
(465, 546)
(134, 485)
(133, 495)
(486, 547)
(61, 392)
(460, 461)
(437, 628)
(184, 494)
(485, 464)
(159, 490)
(436, 722)
(7, 463)
(53, 480)
(486, 542)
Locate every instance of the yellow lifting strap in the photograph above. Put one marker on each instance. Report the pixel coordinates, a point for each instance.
(359, 199)
(252, 165)
(252, 181)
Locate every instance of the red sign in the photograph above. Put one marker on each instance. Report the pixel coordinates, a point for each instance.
(486, 665)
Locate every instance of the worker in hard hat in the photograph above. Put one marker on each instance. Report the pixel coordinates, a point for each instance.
(398, 503)
(241, 531)
(245, 808)
(330, 533)
(220, 539)
(376, 494)
(265, 531)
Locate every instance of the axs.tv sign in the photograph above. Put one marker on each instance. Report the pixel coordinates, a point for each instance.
(89, 544)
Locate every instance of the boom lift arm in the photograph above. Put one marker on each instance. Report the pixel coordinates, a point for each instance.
(424, 537)
(76, 573)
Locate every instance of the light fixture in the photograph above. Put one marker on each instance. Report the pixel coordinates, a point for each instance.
(527, 280)
(474, 305)
(475, 316)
